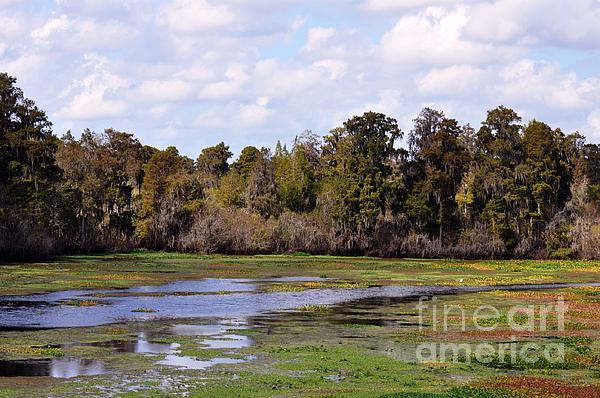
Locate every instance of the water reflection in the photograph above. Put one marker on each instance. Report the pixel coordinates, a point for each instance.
(16, 313)
(62, 368)
(228, 341)
(236, 311)
(197, 364)
(140, 346)
(199, 330)
(217, 336)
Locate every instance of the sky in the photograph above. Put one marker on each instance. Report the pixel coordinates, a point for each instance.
(192, 73)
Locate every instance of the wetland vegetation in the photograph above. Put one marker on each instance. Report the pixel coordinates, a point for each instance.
(305, 323)
(360, 341)
(110, 281)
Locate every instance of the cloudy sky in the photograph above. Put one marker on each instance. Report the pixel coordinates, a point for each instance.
(195, 72)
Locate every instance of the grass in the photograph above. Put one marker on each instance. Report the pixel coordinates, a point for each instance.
(81, 303)
(151, 268)
(320, 351)
(314, 308)
(146, 310)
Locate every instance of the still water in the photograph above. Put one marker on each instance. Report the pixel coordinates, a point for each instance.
(221, 307)
(223, 298)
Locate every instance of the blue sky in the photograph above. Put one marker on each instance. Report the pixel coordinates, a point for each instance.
(191, 73)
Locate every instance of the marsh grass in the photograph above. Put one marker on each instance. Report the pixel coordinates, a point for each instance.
(322, 355)
(81, 303)
(145, 310)
(314, 308)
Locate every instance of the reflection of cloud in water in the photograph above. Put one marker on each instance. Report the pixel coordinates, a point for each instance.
(235, 305)
(63, 368)
(193, 363)
(230, 341)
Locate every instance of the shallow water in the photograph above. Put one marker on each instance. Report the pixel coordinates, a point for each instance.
(221, 305)
(227, 341)
(47, 310)
(63, 368)
(197, 364)
(140, 346)
(210, 336)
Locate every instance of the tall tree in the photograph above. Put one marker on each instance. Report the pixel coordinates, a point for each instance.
(437, 152)
(171, 195)
(296, 174)
(27, 174)
(358, 163)
(499, 199)
(213, 163)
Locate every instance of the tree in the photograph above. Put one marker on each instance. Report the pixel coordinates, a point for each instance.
(296, 173)
(546, 174)
(102, 179)
(246, 161)
(27, 175)
(260, 193)
(358, 162)
(497, 196)
(27, 145)
(508, 189)
(441, 159)
(213, 163)
(500, 136)
(170, 197)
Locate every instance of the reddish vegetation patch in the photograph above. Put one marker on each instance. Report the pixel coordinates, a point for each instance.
(544, 387)
(551, 297)
(507, 334)
(587, 361)
(498, 334)
(583, 311)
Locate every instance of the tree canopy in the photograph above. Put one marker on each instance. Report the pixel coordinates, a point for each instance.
(505, 189)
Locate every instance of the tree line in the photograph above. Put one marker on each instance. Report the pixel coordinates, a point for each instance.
(506, 189)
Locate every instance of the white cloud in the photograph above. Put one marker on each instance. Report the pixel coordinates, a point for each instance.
(262, 70)
(15, 25)
(236, 115)
(279, 80)
(196, 72)
(452, 81)
(542, 83)
(159, 111)
(298, 23)
(434, 37)
(192, 16)
(556, 23)
(86, 34)
(53, 25)
(335, 68)
(255, 114)
(403, 5)
(98, 7)
(163, 90)
(24, 66)
(317, 37)
(593, 125)
(236, 76)
(97, 94)
(6, 3)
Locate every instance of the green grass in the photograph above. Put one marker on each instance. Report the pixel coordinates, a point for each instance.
(151, 268)
(462, 392)
(146, 310)
(81, 303)
(321, 352)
